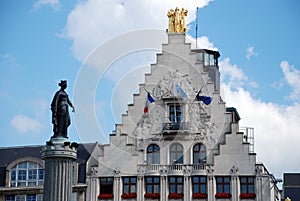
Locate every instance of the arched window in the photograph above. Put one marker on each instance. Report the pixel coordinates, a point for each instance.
(176, 154)
(27, 173)
(199, 154)
(153, 154)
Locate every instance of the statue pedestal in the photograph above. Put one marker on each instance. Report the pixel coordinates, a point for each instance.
(59, 156)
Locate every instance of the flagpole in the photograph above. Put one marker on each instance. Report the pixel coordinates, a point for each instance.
(196, 27)
(195, 98)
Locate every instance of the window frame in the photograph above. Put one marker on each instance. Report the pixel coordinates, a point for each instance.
(153, 184)
(105, 184)
(247, 184)
(154, 154)
(175, 113)
(223, 184)
(178, 155)
(177, 184)
(131, 184)
(26, 173)
(199, 152)
(199, 184)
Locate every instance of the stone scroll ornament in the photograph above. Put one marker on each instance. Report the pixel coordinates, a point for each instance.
(60, 111)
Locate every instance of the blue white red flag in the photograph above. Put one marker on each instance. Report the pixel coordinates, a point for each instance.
(149, 100)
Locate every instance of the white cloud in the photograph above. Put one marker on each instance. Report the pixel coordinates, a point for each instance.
(274, 125)
(272, 122)
(10, 59)
(202, 43)
(292, 77)
(52, 3)
(250, 52)
(92, 22)
(24, 124)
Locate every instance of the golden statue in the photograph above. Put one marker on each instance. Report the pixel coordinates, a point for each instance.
(177, 22)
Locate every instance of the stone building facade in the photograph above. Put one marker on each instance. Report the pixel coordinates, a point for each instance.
(183, 144)
(187, 145)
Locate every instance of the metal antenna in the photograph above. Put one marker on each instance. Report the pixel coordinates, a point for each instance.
(196, 28)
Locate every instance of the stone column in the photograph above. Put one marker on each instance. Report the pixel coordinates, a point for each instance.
(140, 188)
(187, 186)
(59, 156)
(234, 183)
(117, 186)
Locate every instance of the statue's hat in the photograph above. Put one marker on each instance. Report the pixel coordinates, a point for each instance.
(63, 83)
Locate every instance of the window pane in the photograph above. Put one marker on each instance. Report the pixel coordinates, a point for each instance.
(12, 184)
(156, 189)
(206, 59)
(39, 197)
(13, 175)
(41, 174)
(172, 188)
(22, 165)
(212, 60)
(203, 189)
(126, 180)
(251, 189)
(32, 165)
(20, 197)
(226, 189)
(32, 174)
(199, 57)
(219, 188)
(9, 198)
(31, 198)
(21, 183)
(243, 179)
(22, 175)
(179, 188)
(226, 179)
(126, 189)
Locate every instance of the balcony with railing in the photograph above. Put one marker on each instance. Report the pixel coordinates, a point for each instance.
(173, 169)
(172, 127)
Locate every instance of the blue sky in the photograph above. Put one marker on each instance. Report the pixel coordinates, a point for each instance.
(45, 41)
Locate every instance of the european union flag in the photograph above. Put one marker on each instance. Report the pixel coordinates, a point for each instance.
(205, 99)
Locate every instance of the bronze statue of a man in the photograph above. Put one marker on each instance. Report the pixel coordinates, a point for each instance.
(60, 112)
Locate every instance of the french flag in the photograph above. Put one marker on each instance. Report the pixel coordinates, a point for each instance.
(149, 100)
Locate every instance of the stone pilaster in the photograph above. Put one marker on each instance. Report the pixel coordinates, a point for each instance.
(59, 156)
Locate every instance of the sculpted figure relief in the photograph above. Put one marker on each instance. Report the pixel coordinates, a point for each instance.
(177, 22)
(60, 112)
